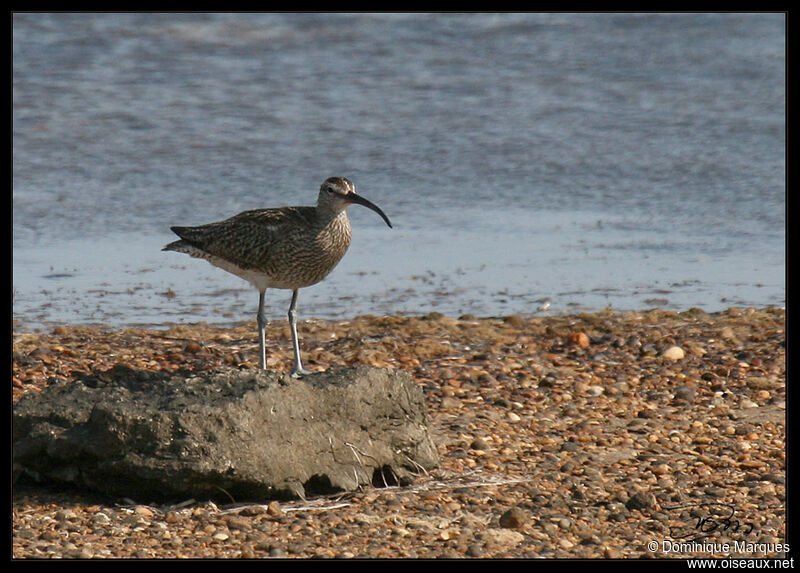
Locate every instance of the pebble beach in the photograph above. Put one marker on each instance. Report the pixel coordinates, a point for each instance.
(612, 435)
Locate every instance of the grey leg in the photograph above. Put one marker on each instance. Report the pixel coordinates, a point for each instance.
(298, 369)
(261, 317)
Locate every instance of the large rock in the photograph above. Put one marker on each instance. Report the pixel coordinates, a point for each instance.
(249, 434)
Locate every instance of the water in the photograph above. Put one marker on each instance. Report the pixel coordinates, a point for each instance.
(592, 160)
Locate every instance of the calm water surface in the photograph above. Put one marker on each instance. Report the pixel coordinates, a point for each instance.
(611, 160)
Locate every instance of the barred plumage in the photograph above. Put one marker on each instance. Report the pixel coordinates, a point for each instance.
(286, 247)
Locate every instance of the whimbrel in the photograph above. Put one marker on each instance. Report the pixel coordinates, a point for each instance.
(284, 248)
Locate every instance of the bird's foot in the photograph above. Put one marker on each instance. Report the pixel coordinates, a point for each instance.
(300, 372)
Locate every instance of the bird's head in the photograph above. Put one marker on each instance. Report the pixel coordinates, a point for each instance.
(338, 193)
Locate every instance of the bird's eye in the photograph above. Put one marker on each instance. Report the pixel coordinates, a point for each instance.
(329, 190)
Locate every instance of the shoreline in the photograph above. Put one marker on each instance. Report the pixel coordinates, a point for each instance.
(568, 436)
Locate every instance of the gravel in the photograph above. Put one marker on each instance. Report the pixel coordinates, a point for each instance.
(560, 437)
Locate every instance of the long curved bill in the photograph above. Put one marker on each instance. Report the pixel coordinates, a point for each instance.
(353, 198)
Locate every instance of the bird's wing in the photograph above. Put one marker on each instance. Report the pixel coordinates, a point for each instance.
(248, 237)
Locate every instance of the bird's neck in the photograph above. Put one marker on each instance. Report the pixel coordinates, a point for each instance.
(335, 234)
(329, 216)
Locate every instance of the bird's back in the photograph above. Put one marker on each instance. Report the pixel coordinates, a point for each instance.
(287, 247)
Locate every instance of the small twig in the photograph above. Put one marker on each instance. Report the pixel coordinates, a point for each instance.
(226, 493)
(313, 508)
(414, 463)
(355, 453)
(285, 509)
(243, 507)
(182, 504)
(355, 449)
(383, 477)
(452, 483)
